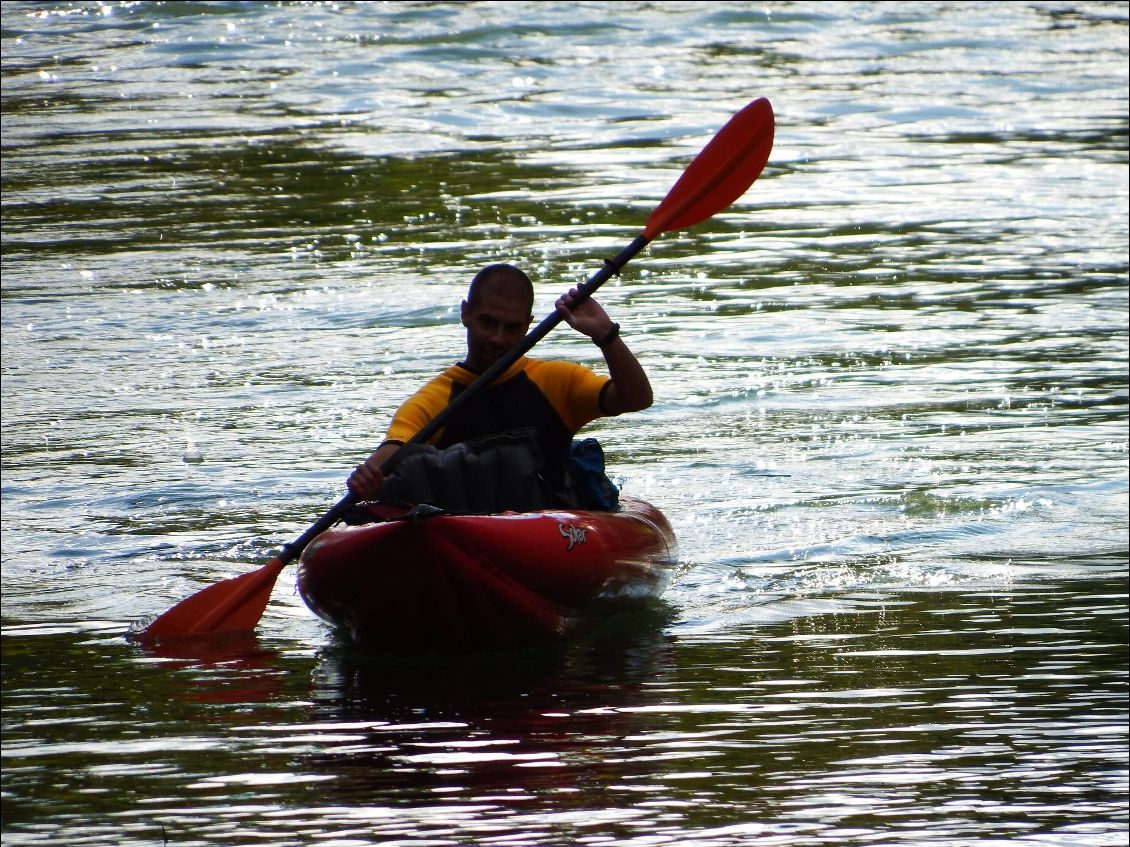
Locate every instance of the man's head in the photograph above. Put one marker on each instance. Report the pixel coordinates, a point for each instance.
(497, 313)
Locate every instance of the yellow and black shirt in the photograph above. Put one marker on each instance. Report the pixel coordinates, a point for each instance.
(555, 397)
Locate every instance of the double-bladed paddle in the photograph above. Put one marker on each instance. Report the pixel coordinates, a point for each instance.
(718, 176)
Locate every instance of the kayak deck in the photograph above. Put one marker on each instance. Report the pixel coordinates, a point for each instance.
(443, 581)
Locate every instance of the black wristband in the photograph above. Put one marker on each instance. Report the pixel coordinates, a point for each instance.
(613, 334)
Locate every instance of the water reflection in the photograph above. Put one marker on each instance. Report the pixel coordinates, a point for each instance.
(629, 648)
(848, 709)
(236, 670)
(818, 712)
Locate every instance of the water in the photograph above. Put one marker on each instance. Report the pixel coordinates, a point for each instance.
(890, 429)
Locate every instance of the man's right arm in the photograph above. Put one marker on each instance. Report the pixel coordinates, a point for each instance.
(410, 418)
(365, 482)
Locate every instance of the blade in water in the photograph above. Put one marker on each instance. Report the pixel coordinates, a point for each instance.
(232, 605)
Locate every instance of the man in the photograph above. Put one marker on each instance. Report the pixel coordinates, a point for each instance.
(553, 398)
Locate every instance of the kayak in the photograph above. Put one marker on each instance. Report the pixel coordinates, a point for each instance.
(425, 580)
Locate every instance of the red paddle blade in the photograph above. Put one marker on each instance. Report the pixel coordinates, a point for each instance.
(231, 606)
(720, 174)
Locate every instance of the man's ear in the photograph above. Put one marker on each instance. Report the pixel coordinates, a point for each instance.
(463, 309)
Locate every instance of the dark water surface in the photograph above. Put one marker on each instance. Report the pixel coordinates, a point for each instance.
(891, 424)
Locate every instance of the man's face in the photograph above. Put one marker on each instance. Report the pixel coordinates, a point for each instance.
(494, 326)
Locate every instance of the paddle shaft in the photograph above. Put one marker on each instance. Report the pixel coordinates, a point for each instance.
(610, 268)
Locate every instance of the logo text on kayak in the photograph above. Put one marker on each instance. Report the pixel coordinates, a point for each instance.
(575, 534)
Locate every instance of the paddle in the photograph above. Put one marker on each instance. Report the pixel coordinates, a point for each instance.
(719, 175)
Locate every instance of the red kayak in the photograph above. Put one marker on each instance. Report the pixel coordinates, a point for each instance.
(424, 580)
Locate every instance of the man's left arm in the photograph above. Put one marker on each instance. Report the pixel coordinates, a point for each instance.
(630, 389)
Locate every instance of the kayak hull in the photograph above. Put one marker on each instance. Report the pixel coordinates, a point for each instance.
(444, 582)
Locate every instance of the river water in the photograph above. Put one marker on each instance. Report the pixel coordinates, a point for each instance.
(890, 428)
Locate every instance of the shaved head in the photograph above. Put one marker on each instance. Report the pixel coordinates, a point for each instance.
(504, 280)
